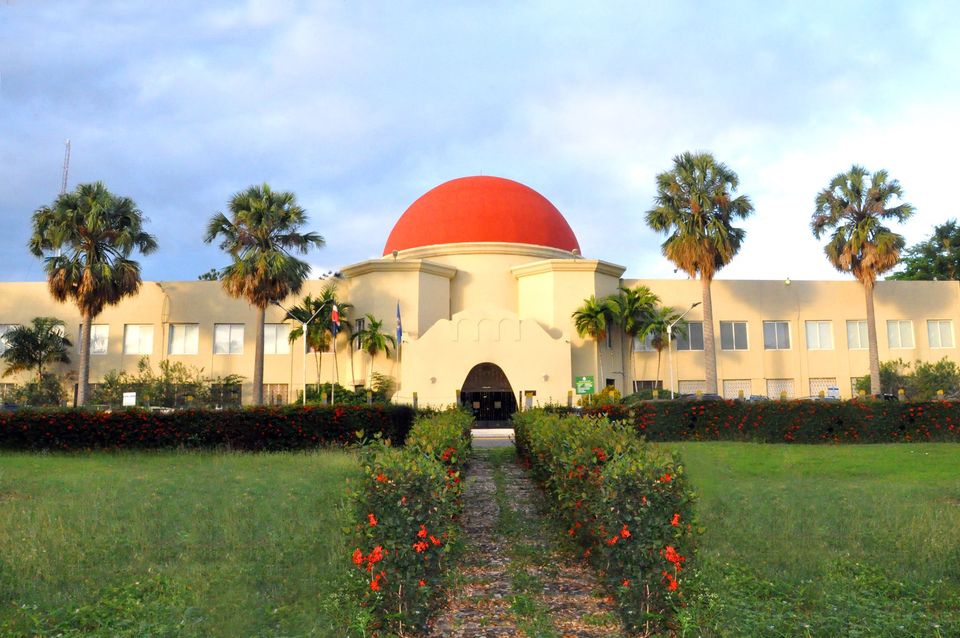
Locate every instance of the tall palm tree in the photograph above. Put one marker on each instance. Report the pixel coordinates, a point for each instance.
(34, 346)
(262, 230)
(695, 206)
(594, 319)
(320, 329)
(657, 329)
(852, 210)
(632, 310)
(86, 238)
(373, 341)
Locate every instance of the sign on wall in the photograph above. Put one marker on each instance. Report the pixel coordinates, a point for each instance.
(583, 385)
(129, 399)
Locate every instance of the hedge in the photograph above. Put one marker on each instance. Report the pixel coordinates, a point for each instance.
(268, 428)
(791, 421)
(406, 523)
(624, 501)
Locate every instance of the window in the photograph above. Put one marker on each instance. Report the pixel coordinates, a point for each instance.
(4, 329)
(733, 335)
(737, 388)
(940, 333)
(361, 325)
(688, 386)
(228, 338)
(138, 338)
(693, 339)
(777, 388)
(276, 338)
(645, 344)
(225, 395)
(776, 335)
(823, 384)
(640, 386)
(99, 333)
(857, 338)
(274, 393)
(819, 335)
(184, 338)
(900, 334)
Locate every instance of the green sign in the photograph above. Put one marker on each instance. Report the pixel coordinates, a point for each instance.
(584, 385)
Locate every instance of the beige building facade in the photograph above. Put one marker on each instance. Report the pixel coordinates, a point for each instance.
(486, 274)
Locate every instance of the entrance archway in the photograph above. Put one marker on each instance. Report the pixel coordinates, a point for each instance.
(487, 393)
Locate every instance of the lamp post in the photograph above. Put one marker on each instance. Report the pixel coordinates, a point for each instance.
(306, 325)
(670, 342)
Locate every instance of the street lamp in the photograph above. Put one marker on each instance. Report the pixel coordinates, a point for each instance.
(670, 342)
(306, 325)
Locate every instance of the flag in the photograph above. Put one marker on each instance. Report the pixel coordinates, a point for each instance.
(399, 325)
(334, 320)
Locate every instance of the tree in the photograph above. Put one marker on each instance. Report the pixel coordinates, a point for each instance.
(851, 210)
(934, 259)
(372, 340)
(211, 275)
(262, 229)
(695, 206)
(632, 310)
(85, 239)
(593, 319)
(657, 329)
(34, 346)
(320, 329)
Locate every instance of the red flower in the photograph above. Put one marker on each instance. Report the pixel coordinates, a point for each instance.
(375, 585)
(422, 583)
(357, 557)
(372, 519)
(434, 540)
(613, 539)
(675, 521)
(423, 532)
(666, 478)
(381, 478)
(625, 532)
(626, 582)
(419, 546)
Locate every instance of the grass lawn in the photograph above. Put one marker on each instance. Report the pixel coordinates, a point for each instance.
(826, 540)
(171, 543)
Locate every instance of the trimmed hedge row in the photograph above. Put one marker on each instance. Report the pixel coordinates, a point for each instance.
(624, 501)
(268, 428)
(791, 421)
(406, 531)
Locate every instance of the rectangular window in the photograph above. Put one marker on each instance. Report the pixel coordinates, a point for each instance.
(819, 335)
(274, 393)
(776, 335)
(609, 338)
(361, 325)
(4, 329)
(138, 339)
(184, 338)
(639, 386)
(737, 388)
(225, 395)
(276, 338)
(900, 334)
(228, 338)
(99, 334)
(693, 339)
(733, 335)
(645, 344)
(940, 333)
(857, 338)
(780, 388)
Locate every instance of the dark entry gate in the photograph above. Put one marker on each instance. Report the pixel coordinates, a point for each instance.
(487, 393)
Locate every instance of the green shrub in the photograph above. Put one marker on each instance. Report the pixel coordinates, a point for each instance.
(406, 532)
(625, 502)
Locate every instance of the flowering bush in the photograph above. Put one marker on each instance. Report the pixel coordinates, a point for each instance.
(406, 511)
(625, 502)
(792, 421)
(274, 428)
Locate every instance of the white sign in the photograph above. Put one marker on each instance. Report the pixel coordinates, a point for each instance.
(833, 392)
(129, 399)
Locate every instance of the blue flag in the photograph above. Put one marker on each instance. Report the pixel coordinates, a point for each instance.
(399, 325)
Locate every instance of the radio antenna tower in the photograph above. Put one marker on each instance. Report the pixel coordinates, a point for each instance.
(66, 168)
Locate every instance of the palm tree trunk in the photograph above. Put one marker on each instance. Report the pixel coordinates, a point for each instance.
(656, 382)
(872, 340)
(709, 346)
(84, 381)
(318, 358)
(601, 382)
(258, 359)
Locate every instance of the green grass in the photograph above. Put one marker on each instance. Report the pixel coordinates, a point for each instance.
(171, 544)
(826, 540)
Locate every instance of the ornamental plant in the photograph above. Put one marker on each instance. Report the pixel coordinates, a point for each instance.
(406, 530)
(624, 502)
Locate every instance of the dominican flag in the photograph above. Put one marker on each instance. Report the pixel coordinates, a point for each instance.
(399, 325)
(334, 320)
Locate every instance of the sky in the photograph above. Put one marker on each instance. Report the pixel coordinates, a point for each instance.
(361, 107)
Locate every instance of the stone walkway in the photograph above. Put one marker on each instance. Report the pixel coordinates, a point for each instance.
(517, 580)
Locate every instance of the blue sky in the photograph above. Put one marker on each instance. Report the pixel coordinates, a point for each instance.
(359, 108)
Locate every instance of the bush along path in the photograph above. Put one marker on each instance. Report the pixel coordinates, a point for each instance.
(518, 577)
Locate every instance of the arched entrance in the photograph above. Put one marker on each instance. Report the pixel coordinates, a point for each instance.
(487, 393)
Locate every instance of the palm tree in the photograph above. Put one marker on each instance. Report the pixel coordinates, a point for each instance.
(852, 210)
(696, 207)
(594, 319)
(320, 329)
(86, 238)
(262, 229)
(657, 329)
(373, 341)
(32, 347)
(632, 309)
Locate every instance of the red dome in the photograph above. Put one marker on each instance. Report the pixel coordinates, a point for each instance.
(481, 209)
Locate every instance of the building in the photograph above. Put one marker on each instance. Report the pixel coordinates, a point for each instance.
(486, 273)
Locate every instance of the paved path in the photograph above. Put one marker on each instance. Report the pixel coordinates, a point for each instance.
(517, 579)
